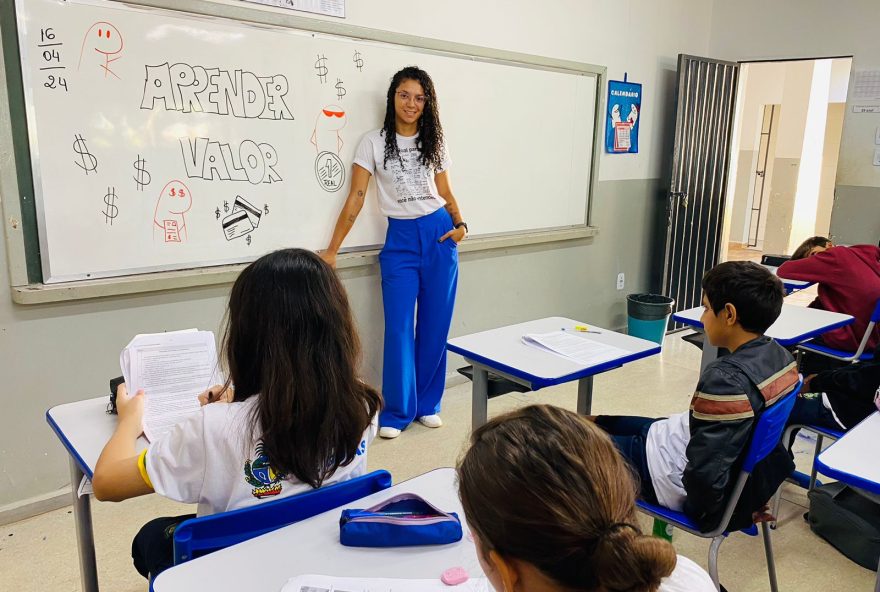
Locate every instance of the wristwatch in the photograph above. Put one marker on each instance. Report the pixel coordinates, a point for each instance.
(460, 224)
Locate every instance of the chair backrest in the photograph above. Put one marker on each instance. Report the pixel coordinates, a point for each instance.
(200, 536)
(875, 316)
(765, 436)
(768, 430)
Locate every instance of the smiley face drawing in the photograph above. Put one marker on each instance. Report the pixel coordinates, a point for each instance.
(105, 40)
(169, 219)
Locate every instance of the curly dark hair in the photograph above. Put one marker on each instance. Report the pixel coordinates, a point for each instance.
(430, 140)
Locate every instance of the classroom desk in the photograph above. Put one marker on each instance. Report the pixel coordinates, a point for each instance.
(795, 325)
(789, 285)
(502, 352)
(312, 546)
(83, 428)
(853, 460)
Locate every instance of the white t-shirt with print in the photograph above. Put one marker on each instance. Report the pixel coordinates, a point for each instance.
(207, 460)
(687, 577)
(666, 451)
(407, 191)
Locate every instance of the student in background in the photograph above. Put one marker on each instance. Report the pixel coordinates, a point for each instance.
(419, 262)
(849, 282)
(551, 506)
(689, 461)
(298, 418)
(840, 398)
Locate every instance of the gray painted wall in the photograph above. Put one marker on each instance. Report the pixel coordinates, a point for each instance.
(57, 353)
(849, 223)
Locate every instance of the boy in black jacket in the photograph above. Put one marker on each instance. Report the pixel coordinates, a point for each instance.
(689, 461)
(838, 399)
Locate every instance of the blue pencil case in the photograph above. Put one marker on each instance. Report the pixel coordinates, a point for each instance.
(402, 521)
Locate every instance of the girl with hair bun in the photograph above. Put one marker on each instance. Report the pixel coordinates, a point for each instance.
(551, 505)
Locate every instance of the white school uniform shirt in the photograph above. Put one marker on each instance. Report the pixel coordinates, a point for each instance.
(687, 577)
(666, 452)
(404, 191)
(208, 459)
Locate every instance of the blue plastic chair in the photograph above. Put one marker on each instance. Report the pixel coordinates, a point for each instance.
(765, 437)
(200, 536)
(847, 356)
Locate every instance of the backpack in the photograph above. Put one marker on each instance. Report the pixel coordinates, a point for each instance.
(849, 519)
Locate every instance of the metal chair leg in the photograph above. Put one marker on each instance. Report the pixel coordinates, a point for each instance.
(768, 551)
(713, 560)
(813, 466)
(776, 501)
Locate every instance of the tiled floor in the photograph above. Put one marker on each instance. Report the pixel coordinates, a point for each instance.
(40, 553)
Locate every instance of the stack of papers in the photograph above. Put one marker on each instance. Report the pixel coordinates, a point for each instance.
(574, 346)
(172, 369)
(313, 583)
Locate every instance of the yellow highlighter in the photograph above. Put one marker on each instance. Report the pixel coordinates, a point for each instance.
(584, 329)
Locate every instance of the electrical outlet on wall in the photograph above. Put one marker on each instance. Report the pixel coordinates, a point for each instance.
(620, 280)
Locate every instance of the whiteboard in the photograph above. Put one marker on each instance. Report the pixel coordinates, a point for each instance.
(161, 140)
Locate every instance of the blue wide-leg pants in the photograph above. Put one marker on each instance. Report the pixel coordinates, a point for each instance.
(419, 278)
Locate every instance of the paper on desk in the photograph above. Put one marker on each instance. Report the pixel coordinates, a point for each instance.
(315, 583)
(575, 347)
(85, 487)
(172, 369)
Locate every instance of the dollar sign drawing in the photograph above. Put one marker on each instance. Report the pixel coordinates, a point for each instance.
(248, 239)
(266, 209)
(111, 211)
(321, 67)
(141, 176)
(340, 90)
(89, 162)
(225, 206)
(217, 213)
(358, 61)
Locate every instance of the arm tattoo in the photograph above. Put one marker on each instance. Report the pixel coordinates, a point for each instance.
(352, 218)
(360, 193)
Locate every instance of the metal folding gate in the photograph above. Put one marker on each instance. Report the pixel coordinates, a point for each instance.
(695, 207)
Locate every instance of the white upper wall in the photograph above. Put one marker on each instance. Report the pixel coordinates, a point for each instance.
(758, 29)
(640, 38)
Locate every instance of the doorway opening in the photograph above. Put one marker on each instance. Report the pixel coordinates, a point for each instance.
(784, 150)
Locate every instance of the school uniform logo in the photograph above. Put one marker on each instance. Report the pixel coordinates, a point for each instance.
(261, 475)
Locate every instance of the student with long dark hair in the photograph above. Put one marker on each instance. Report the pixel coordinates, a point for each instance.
(298, 417)
(419, 261)
(551, 505)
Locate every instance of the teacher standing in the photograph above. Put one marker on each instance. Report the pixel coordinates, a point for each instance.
(419, 261)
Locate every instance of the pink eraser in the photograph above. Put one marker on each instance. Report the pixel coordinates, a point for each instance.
(454, 576)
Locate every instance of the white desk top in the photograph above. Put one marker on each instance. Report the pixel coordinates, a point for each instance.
(790, 284)
(795, 324)
(83, 428)
(312, 546)
(853, 459)
(502, 349)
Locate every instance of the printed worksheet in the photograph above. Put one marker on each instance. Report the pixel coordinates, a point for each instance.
(172, 369)
(574, 347)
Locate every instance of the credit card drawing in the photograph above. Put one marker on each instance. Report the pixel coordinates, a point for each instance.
(237, 224)
(253, 212)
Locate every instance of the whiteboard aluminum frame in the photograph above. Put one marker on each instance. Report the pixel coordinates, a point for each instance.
(158, 279)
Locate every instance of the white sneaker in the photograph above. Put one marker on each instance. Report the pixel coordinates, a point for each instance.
(430, 421)
(388, 432)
